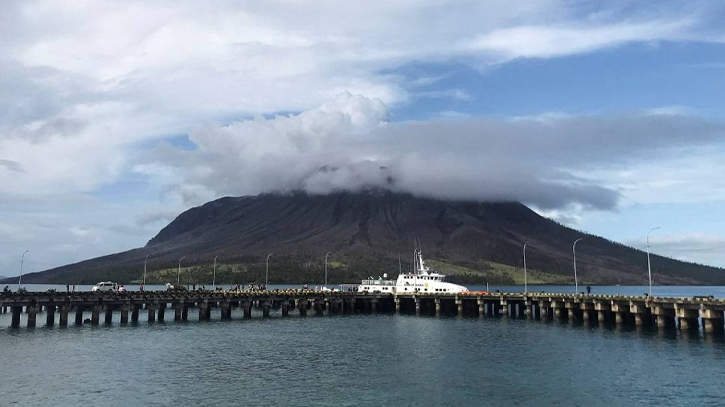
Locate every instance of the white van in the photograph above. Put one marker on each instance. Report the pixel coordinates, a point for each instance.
(103, 286)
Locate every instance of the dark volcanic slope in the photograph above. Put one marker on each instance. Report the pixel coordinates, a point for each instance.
(379, 225)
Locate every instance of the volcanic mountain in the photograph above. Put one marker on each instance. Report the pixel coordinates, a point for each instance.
(369, 234)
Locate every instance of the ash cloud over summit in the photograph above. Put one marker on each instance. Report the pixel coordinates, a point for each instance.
(348, 144)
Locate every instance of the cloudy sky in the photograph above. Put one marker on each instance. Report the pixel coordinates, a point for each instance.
(115, 116)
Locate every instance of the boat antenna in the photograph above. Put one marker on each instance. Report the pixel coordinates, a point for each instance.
(400, 264)
(415, 260)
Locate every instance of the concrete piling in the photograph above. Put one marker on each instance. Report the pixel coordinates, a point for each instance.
(665, 316)
(124, 313)
(687, 318)
(15, 319)
(226, 310)
(96, 314)
(50, 315)
(135, 309)
(712, 320)
(161, 313)
(79, 315)
(151, 312)
(63, 318)
(32, 312)
(302, 307)
(203, 310)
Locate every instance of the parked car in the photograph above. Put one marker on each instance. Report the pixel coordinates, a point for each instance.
(103, 286)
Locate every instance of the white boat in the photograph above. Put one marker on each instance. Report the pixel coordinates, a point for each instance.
(423, 281)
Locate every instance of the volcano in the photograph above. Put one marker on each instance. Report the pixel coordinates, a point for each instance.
(375, 232)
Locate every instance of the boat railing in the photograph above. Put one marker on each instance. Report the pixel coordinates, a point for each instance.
(378, 282)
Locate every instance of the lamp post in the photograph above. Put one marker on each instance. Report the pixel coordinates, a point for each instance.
(573, 249)
(22, 259)
(178, 275)
(266, 273)
(144, 269)
(213, 278)
(649, 267)
(526, 281)
(328, 253)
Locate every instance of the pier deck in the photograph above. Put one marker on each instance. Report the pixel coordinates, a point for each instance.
(685, 313)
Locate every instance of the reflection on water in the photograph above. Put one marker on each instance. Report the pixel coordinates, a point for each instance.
(360, 361)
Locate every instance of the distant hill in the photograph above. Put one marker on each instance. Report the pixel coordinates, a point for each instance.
(366, 233)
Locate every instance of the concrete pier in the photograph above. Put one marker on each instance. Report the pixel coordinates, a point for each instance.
(640, 311)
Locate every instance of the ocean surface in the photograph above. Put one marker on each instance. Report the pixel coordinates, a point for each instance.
(363, 360)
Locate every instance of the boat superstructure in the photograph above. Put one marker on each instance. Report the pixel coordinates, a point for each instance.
(423, 280)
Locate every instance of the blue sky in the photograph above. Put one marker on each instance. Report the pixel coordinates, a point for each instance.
(117, 116)
(627, 78)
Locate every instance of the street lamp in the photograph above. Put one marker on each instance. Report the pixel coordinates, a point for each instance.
(213, 278)
(266, 273)
(328, 253)
(178, 275)
(144, 269)
(573, 249)
(22, 259)
(649, 267)
(526, 281)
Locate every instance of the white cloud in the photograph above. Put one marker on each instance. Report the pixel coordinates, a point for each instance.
(347, 144)
(555, 41)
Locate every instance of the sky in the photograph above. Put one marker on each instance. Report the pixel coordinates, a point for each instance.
(116, 116)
